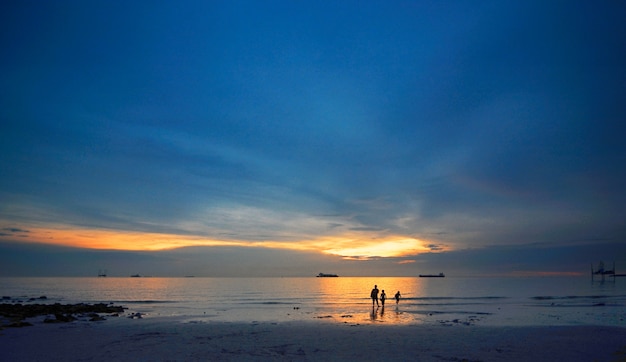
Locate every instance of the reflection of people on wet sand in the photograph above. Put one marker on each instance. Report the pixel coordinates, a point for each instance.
(374, 295)
(383, 296)
(374, 313)
(397, 296)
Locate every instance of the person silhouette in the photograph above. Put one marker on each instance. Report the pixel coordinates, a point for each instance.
(374, 295)
(397, 296)
(383, 296)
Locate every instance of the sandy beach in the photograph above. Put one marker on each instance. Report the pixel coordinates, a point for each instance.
(171, 339)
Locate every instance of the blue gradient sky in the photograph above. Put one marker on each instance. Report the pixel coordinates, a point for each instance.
(453, 131)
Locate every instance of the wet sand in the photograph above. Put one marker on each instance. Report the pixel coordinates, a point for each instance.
(171, 339)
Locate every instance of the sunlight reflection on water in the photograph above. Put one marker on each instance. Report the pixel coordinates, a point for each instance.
(448, 301)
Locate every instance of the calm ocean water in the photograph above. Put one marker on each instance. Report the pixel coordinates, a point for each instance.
(448, 301)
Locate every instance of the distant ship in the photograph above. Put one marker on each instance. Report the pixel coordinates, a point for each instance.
(322, 275)
(440, 275)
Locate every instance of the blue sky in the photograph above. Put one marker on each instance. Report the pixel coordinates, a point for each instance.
(435, 129)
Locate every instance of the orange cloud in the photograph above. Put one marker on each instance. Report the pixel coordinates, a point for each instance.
(118, 240)
(406, 262)
(353, 246)
(362, 246)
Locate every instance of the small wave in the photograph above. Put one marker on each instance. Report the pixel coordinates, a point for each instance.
(447, 304)
(578, 305)
(440, 312)
(457, 298)
(145, 301)
(571, 297)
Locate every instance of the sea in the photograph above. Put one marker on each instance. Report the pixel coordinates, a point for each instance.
(450, 301)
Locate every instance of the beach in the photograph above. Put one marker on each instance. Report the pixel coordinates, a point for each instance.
(175, 339)
(311, 319)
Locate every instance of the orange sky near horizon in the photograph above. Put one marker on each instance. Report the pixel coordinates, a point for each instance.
(352, 246)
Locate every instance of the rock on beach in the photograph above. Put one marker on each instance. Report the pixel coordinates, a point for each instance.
(15, 315)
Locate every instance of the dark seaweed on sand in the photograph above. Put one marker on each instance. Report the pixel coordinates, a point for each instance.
(16, 314)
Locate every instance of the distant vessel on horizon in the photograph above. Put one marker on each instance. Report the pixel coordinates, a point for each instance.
(602, 271)
(440, 275)
(323, 275)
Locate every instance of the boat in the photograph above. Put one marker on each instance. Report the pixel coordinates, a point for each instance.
(135, 276)
(323, 275)
(440, 275)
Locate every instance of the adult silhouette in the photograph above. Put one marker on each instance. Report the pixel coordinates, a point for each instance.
(374, 295)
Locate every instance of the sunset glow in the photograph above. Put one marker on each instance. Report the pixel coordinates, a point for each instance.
(117, 240)
(393, 246)
(350, 246)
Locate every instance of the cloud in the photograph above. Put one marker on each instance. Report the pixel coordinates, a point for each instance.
(13, 231)
(384, 122)
(435, 247)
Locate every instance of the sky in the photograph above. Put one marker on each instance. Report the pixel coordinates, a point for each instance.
(287, 138)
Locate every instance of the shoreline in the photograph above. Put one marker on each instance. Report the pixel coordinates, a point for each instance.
(173, 339)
